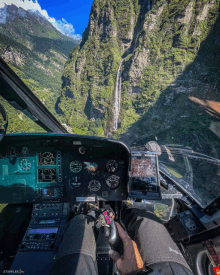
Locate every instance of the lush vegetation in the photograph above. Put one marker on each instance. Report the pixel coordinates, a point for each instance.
(183, 55)
(89, 77)
(172, 38)
(169, 40)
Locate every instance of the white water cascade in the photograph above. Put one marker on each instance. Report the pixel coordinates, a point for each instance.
(117, 101)
(135, 43)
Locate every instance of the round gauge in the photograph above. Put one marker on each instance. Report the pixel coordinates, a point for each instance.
(82, 150)
(75, 166)
(113, 181)
(25, 150)
(94, 185)
(112, 166)
(25, 164)
(190, 224)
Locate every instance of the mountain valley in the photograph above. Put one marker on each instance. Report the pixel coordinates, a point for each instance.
(142, 68)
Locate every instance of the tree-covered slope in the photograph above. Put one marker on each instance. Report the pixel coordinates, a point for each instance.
(157, 41)
(89, 76)
(184, 76)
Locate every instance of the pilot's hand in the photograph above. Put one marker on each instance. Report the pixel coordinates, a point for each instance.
(126, 264)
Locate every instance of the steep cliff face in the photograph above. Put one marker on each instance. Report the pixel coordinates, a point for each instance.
(90, 74)
(182, 77)
(157, 43)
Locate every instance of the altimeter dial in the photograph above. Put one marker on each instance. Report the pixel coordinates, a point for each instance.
(94, 185)
(25, 164)
(113, 181)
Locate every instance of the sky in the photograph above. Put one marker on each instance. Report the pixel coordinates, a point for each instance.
(69, 16)
(75, 12)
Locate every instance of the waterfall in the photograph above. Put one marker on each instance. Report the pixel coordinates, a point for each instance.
(117, 101)
(135, 43)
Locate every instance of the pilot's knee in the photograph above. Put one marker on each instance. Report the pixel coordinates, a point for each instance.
(82, 220)
(80, 217)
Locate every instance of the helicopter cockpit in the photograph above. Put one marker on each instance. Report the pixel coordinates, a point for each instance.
(46, 178)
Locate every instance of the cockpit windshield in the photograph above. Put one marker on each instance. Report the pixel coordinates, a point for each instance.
(192, 162)
(18, 122)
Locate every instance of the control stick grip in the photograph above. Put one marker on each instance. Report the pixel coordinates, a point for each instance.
(114, 239)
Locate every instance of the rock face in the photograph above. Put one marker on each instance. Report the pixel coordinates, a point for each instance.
(12, 56)
(167, 48)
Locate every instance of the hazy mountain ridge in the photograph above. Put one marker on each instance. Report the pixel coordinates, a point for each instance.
(24, 8)
(19, 24)
(156, 47)
(36, 51)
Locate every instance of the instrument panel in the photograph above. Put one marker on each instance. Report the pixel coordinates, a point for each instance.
(62, 167)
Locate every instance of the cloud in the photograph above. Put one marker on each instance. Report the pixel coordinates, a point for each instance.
(66, 28)
(61, 25)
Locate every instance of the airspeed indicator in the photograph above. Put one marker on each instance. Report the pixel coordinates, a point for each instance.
(75, 166)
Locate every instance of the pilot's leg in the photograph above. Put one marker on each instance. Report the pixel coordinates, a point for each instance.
(155, 245)
(77, 252)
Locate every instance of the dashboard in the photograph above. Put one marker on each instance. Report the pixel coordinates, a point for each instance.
(62, 167)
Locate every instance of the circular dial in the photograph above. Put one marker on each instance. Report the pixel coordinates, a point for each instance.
(82, 150)
(75, 166)
(94, 185)
(113, 181)
(190, 224)
(25, 150)
(25, 164)
(112, 166)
